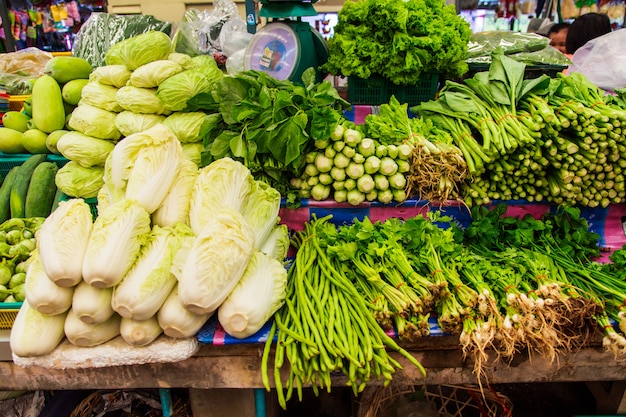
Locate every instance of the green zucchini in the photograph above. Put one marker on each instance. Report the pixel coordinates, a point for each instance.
(19, 187)
(41, 190)
(5, 192)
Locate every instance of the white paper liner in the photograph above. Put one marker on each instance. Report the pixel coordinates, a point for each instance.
(115, 352)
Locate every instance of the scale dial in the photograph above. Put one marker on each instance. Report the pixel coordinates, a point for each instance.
(275, 49)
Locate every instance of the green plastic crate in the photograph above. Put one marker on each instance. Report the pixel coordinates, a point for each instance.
(8, 161)
(376, 90)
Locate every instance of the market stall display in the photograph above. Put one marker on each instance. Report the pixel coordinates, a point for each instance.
(185, 243)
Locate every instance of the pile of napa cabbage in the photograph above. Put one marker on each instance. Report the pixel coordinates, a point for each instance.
(143, 83)
(172, 245)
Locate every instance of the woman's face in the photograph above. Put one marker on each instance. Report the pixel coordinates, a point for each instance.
(557, 40)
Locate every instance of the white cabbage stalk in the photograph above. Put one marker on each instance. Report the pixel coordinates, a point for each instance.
(225, 183)
(277, 243)
(261, 210)
(143, 290)
(144, 165)
(178, 322)
(34, 333)
(256, 297)
(42, 293)
(175, 206)
(62, 241)
(92, 305)
(116, 238)
(82, 334)
(219, 256)
(140, 332)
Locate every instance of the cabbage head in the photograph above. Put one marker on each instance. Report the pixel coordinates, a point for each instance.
(100, 95)
(94, 121)
(145, 165)
(128, 122)
(224, 183)
(260, 292)
(208, 67)
(175, 207)
(216, 262)
(187, 126)
(154, 73)
(78, 181)
(193, 152)
(113, 75)
(139, 50)
(85, 150)
(181, 59)
(140, 100)
(261, 210)
(116, 238)
(178, 89)
(277, 243)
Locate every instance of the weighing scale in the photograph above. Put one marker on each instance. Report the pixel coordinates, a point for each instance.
(284, 48)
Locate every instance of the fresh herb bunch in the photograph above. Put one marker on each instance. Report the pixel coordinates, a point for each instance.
(398, 40)
(268, 124)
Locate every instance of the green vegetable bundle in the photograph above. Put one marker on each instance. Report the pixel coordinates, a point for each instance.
(398, 40)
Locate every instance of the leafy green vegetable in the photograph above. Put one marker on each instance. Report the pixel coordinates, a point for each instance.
(398, 39)
(267, 124)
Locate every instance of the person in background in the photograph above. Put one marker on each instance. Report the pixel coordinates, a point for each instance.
(557, 34)
(585, 28)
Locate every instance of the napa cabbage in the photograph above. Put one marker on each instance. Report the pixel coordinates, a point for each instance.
(175, 206)
(261, 210)
(144, 165)
(62, 241)
(216, 261)
(224, 183)
(260, 292)
(277, 243)
(145, 287)
(118, 233)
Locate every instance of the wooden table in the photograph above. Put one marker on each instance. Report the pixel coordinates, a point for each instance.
(239, 366)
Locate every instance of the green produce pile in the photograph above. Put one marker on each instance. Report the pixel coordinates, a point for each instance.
(557, 140)
(268, 124)
(172, 245)
(17, 242)
(29, 189)
(503, 284)
(398, 40)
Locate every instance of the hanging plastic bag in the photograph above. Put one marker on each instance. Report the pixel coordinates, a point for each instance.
(602, 60)
(199, 31)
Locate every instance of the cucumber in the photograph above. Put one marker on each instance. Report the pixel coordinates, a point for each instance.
(41, 190)
(58, 195)
(66, 68)
(47, 104)
(5, 192)
(19, 187)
